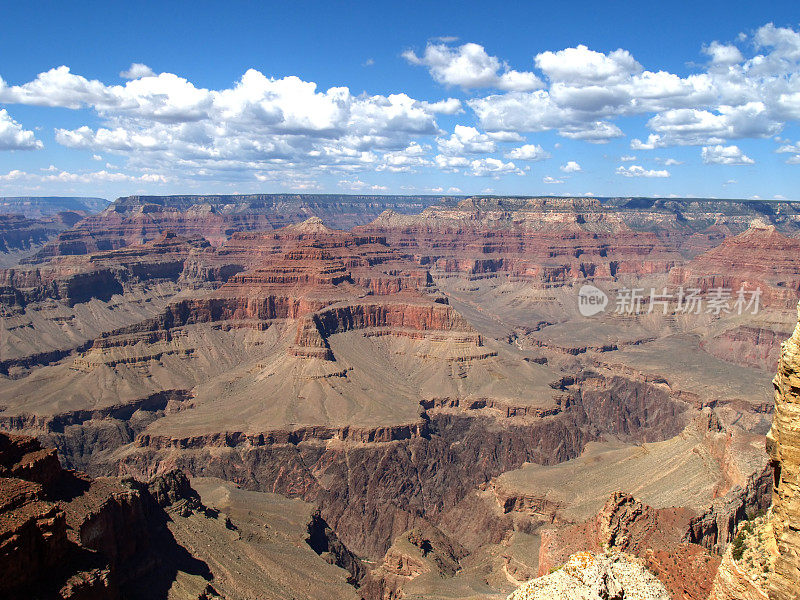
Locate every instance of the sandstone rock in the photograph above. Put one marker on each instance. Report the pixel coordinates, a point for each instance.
(653, 535)
(760, 258)
(783, 446)
(551, 241)
(65, 535)
(588, 576)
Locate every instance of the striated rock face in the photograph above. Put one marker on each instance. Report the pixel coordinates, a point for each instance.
(64, 535)
(139, 219)
(588, 576)
(783, 446)
(653, 535)
(761, 257)
(550, 241)
(76, 279)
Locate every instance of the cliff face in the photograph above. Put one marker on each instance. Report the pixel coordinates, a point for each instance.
(65, 535)
(783, 446)
(655, 536)
(761, 257)
(547, 240)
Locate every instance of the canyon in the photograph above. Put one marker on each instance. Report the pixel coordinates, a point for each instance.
(399, 395)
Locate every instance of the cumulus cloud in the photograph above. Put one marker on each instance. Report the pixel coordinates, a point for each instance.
(466, 140)
(581, 65)
(55, 175)
(548, 179)
(357, 185)
(258, 125)
(587, 90)
(136, 71)
(725, 155)
(627, 158)
(470, 66)
(571, 167)
(723, 54)
(639, 171)
(484, 167)
(14, 137)
(529, 152)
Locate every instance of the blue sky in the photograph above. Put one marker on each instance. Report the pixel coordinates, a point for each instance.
(618, 98)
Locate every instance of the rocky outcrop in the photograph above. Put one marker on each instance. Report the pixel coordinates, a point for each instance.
(77, 279)
(551, 241)
(18, 233)
(715, 528)
(653, 535)
(64, 535)
(138, 219)
(783, 446)
(760, 258)
(589, 576)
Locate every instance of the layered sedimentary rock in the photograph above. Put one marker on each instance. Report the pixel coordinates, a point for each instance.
(783, 446)
(693, 225)
(64, 535)
(550, 241)
(21, 236)
(139, 219)
(761, 258)
(76, 279)
(654, 535)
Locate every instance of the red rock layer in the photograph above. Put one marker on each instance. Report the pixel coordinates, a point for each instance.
(20, 233)
(552, 241)
(64, 535)
(328, 281)
(760, 257)
(654, 535)
(74, 279)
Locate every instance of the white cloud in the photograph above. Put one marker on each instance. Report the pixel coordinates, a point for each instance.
(548, 179)
(14, 137)
(581, 65)
(466, 140)
(725, 155)
(571, 167)
(627, 158)
(639, 171)
(723, 54)
(357, 185)
(505, 136)
(793, 160)
(530, 152)
(599, 132)
(276, 126)
(672, 162)
(55, 175)
(789, 148)
(484, 167)
(470, 66)
(137, 71)
(733, 98)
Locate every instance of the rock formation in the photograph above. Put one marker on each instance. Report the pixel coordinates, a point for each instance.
(64, 535)
(550, 241)
(655, 536)
(588, 576)
(139, 219)
(783, 446)
(760, 258)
